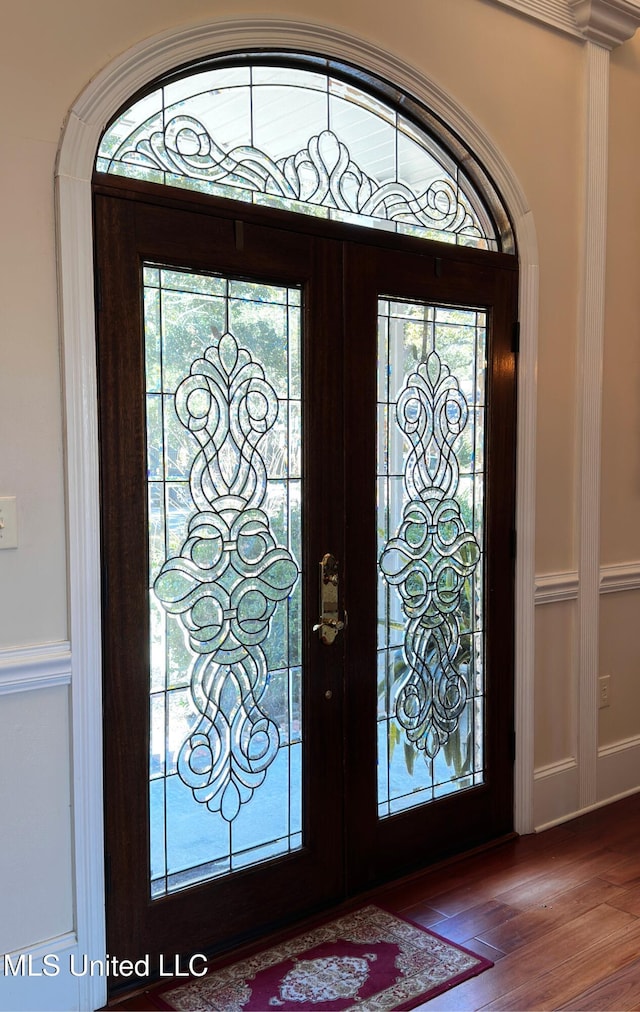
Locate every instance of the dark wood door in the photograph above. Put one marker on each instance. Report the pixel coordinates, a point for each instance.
(430, 500)
(255, 374)
(209, 723)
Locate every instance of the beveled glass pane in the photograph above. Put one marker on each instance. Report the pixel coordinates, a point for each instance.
(157, 837)
(295, 767)
(190, 319)
(179, 445)
(155, 455)
(301, 141)
(254, 292)
(285, 117)
(194, 840)
(178, 506)
(208, 81)
(371, 139)
(351, 94)
(157, 735)
(141, 114)
(411, 131)
(158, 634)
(152, 332)
(292, 76)
(201, 284)
(157, 526)
(430, 521)
(271, 337)
(416, 166)
(225, 554)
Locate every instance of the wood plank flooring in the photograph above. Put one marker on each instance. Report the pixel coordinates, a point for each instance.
(558, 912)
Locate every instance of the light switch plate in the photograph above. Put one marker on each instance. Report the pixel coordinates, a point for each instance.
(8, 522)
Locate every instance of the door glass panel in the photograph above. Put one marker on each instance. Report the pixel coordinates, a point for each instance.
(430, 522)
(223, 419)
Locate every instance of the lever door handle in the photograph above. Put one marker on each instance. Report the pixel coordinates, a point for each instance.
(330, 623)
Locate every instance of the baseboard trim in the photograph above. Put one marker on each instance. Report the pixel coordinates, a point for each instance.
(618, 768)
(556, 785)
(589, 808)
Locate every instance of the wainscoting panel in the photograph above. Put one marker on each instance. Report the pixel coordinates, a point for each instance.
(43, 976)
(619, 769)
(555, 793)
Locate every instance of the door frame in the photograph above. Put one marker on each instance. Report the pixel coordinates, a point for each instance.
(97, 103)
(135, 220)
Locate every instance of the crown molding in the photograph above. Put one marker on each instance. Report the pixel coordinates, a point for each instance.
(608, 23)
(553, 13)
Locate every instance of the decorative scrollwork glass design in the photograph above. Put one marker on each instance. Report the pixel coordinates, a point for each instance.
(430, 534)
(301, 140)
(221, 569)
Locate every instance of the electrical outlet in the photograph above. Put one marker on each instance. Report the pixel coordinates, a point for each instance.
(603, 691)
(8, 522)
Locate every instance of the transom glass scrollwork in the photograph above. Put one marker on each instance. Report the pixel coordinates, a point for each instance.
(223, 437)
(298, 139)
(430, 535)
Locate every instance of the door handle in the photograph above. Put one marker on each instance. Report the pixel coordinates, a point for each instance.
(330, 624)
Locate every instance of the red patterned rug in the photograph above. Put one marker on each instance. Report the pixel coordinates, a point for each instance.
(367, 960)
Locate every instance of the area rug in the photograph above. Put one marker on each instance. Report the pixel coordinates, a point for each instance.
(368, 960)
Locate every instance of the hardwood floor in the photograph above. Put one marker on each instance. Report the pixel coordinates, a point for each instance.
(558, 912)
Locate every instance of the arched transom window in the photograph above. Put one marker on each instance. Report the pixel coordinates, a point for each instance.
(306, 139)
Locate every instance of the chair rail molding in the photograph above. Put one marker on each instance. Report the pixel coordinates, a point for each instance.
(43, 666)
(554, 587)
(620, 576)
(615, 578)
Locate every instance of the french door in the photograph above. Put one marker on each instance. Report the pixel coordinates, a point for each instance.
(307, 456)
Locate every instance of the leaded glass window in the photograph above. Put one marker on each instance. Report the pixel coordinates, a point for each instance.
(431, 502)
(224, 434)
(301, 139)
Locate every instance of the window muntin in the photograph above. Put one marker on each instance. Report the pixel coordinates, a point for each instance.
(301, 140)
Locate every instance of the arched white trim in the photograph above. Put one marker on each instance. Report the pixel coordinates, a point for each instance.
(88, 117)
